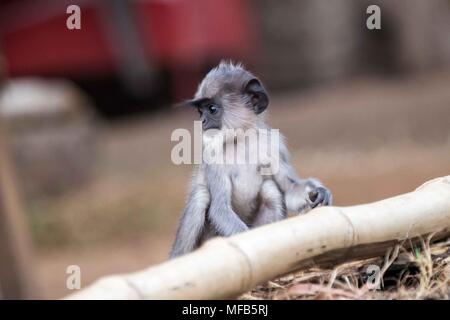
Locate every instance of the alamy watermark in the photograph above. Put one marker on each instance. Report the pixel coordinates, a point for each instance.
(73, 21)
(374, 277)
(373, 22)
(73, 280)
(228, 146)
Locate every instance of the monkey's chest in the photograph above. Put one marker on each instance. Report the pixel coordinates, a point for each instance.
(246, 184)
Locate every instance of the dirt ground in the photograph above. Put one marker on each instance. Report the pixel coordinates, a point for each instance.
(367, 140)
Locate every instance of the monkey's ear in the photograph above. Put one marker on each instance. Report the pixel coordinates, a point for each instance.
(257, 94)
(187, 104)
(192, 103)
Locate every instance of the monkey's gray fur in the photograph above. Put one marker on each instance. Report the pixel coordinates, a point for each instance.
(226, 199)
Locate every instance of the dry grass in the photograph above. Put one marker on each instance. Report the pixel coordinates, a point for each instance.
(421, 272)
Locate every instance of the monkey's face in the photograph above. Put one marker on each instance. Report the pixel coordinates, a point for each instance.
(211, 113)
(229, 97)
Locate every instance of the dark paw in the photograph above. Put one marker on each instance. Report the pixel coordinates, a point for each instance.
(320, 197)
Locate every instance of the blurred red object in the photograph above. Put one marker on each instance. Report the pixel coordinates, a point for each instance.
(171, 34)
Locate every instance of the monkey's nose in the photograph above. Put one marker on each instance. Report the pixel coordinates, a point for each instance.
(203, 121)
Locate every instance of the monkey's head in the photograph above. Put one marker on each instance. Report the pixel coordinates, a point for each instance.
(230, 97)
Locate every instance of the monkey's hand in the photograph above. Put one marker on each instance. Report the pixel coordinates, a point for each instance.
(320, 196)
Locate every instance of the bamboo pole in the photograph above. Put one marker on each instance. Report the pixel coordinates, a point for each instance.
(16, 267)
(226, 267)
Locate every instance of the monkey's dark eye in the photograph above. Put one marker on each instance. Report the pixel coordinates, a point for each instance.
(212, 109)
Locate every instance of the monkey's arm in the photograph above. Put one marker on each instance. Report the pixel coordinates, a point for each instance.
(221, 214)
(192, 219)
(300, 194)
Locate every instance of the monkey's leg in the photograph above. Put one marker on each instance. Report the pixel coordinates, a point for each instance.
(301, 195)
(307, 194)
(272, 207)
(192, 221)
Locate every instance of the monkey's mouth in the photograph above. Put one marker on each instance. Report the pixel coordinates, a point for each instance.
(210, 128)
(207, 126)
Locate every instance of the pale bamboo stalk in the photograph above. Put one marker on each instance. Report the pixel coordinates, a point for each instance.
(226, 267)
(17, 279)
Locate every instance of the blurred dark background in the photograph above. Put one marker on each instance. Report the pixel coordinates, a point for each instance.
(86, 115)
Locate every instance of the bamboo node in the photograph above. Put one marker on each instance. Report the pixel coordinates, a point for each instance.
(352, 236)
(247, 278)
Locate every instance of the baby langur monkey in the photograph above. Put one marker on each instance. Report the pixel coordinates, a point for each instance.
(226, 199)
